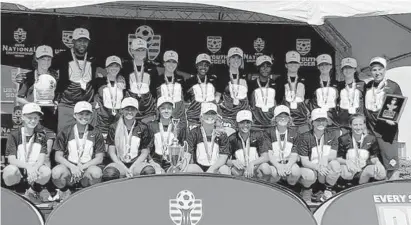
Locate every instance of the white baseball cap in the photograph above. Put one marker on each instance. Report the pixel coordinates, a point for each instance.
(281, 109)
(31, 108)
(163, 99)
(129, 101)
(262, 59)
(351, 62)
(318, 113)
(81, 33)
(244, 115)
(82, 106)
(138, 43)
(379, 60)
(113, 59)
(44, 50)
(324, 58)
(203, 57)
(170, 55)
(207, 107)
(292, 56)
(235, 51)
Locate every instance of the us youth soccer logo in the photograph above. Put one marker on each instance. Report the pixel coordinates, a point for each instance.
(153, 41)
(20, 35)
(259, 44)
(214, 43)
(303, 46)
(185, 209)
(67, 38)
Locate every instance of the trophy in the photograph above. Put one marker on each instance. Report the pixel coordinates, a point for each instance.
(43, 90)
(176, 152)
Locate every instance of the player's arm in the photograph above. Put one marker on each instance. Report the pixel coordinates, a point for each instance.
(263, 146)
(60, 147)
(99, 148)
(222, 159)
(303, 148)
(146, 139)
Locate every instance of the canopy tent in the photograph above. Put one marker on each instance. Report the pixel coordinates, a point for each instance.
(360, 29)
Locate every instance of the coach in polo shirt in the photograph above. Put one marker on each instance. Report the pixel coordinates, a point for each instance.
(77, 73)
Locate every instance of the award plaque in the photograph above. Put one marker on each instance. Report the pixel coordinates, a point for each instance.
(43, 90)
(392, 108)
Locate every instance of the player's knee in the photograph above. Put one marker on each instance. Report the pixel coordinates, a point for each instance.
(148, 170)
(345, 174)
(265, 169)
(59, 171)
(194, 168)
(44, 175)
(295, 171)
(381, 174)
(95, 172)
(110, 173)
(224, 170)
(11, 175)
(335, 166)
(236, 172)
(308, 177)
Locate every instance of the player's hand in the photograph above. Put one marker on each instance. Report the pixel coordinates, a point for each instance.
(392, 123)
(239, 165)
(20, 78)
(75, 172)
(287, 168)
(323, 170)
(281, 170)
(129, 171)
(351, 166)
(324, 162)
(32, 174)
(377, 167)
(249, 171)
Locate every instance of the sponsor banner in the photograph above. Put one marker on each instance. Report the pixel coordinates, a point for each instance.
(380, 203)
(17, 210)
(183, 200)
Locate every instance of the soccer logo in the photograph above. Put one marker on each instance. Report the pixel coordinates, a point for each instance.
(20, 35)
(303, 46)
(185, 209)
(259, 44)
(153, 41)
(145, 32)
(67, 38)
(214, 43)
(16, 116)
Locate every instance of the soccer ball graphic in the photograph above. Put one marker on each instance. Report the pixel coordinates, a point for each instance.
(145, 32)
(185, 199)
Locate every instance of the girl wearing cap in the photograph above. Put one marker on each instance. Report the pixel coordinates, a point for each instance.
(201, 89)
(207, 146)
(140, 80)
(294, 92)
(317, 149)
(326, 90)
(79, 152)
(164, 132)
(351, 92)
(26, 151)
(249, 149)
(173, 86)
(263, 97)
(128, 143)
(235, 93)
(358, 153)
(386, 131)
(283, 154)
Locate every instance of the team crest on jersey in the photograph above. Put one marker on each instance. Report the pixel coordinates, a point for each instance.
(67, 38)
(214, 43)
(20, 35)
(185, 209)
(153, 41)
(303, 46)
(259, 44)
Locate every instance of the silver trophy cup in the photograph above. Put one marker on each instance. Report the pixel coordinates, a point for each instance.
(44, 90)
(176, 152)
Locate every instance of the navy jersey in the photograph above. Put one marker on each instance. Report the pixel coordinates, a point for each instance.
(262, 101)
(259, 144)
(351, 101)
(366, 150)
(16, 147)
(307, 145)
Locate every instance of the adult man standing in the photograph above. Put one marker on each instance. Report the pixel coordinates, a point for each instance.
(76, 72)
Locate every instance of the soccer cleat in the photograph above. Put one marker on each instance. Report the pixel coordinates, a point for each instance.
(317, 196)
(32, 196)
(326, 195)
(306, 194)
(64, 194)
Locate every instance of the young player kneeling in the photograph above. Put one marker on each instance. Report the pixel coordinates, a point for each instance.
(283, 156)
(249, 149)
(79, 151)
(318, 152)
(26, 151)
(358, 153)
(208, 147)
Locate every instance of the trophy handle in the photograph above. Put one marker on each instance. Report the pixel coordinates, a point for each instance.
(184, 160)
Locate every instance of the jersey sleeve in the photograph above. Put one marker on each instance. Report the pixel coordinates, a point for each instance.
(22, 93)
(334, 141)
(111, 135)
(42, 137)
(263, 142)
(191, 141)
(12, 144)
(374, 149)
(303, 145)
(99, 145)
(146, 138)
(223, 144)
(60, 144)
(342, 150)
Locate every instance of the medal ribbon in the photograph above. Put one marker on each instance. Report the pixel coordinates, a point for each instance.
(164, 144)
(139, 75)
(293, 87)
(170, 93)
(213, 136)
(82, 70)
(283, 144)
(351, 93)
(113, 94)
(264, 96)
(246, 149)
(320, 146)
(357, 148)
(203, 90)
(80, 143)
(324, 92)
(28, 147)
(128, 135)
(235, 92)
(375, 92)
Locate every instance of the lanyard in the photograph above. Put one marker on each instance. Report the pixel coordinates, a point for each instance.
(282, 144)
(164, 144)
(203, 90)
(139, 75)
(237, 80)
(357, 148)
(264, 96)
(170, 93)
(320, 146)
(128, 135)
(82, 70)
(324, 92)
(28, 147)
(246, 149)
(376, 91)
(208, 151)
(113, 95)
(80, 143)
(351, 93)
(293, 87)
